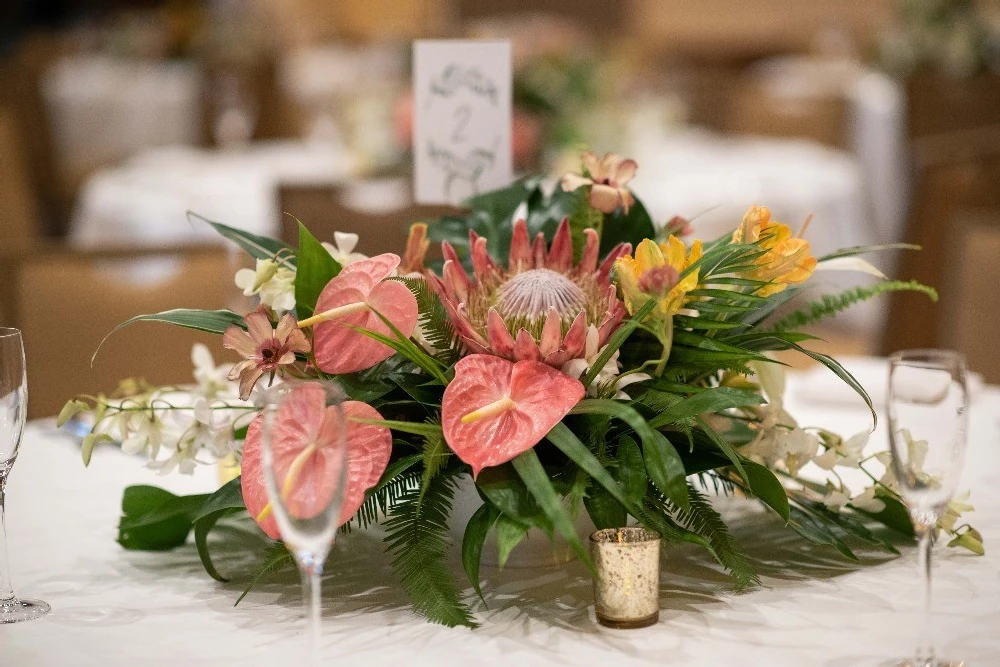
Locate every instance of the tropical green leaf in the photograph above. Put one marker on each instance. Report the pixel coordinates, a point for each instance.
(895, 515)
(862, 249)
(405, 347)
(316, 268)
(663, 464)
(227, 500)
(509, 534)
(530, 469)
(631, 227)
(211, 321)
(473, 540)
(710, 400)
(502, 486)
(154, 519)
(434, 321)
(258, 247)
(604, 510)
(435, 455)
(766, 486)
(817, 532)
(631, 470)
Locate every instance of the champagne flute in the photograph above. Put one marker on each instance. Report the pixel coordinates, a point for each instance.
(927, 404)
(13, 413)
(304, 461)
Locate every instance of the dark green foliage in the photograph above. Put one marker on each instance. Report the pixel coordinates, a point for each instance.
(418, 540)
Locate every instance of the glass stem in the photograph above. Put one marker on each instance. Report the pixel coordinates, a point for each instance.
(311, 586)
(6, 590)
(925, 643)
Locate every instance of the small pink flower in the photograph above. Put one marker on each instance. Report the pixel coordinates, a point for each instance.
(608, 176)
(264, 350)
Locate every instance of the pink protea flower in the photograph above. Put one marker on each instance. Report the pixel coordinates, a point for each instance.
(264, 349)
(607, 179)
(540, 306)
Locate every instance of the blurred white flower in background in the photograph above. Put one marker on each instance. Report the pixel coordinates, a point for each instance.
(575, 368)
(342, 248)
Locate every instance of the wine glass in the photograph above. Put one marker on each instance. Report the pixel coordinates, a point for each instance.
(927, 402)
(13, 413)
(304, 461)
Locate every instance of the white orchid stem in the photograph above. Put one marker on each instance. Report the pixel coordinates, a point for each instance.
(491, 410)
(333, 313)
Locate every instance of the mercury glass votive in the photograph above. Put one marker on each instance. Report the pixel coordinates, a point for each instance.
(627, 581)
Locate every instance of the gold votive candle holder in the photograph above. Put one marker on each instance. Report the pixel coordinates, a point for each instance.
(627, 581)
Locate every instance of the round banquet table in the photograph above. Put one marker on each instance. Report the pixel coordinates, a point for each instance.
(113, 607)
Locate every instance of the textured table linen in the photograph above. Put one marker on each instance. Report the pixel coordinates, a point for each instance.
(112, 607)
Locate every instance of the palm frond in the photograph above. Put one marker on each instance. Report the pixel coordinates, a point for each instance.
(381, 501)
(418, 539)
(434, 321)
(705, 520)
(831, 304)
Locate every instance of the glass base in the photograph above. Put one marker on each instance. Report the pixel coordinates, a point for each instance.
(914, 662)
(14, 611)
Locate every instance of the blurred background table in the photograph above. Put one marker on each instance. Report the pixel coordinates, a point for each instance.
(146, 200)
(114, 607)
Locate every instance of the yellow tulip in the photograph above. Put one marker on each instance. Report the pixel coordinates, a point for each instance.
(654, 273)
(788, 259)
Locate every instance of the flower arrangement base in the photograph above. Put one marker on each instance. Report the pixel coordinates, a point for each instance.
(536, 550)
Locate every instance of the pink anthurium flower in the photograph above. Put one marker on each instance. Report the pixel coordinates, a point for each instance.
(495, 409)
(349, 301)
(304, 435)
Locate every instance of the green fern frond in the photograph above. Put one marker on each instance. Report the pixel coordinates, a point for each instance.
(831, 304)
(435, 453)
(418, 539)
(382, 500)
(704, 520)
(276, 557)
(437, 328)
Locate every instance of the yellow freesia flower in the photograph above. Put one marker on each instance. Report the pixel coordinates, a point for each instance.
(788, 258)
(654, 273)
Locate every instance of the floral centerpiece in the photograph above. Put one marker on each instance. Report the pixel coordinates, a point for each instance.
(565, 353)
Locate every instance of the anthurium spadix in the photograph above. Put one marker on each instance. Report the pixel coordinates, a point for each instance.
(303, 438)
(354, 300)
(495, 409)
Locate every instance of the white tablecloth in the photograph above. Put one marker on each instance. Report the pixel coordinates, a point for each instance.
(112, 607)
(145, 201)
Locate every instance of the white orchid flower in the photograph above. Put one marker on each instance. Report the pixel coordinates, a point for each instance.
(605, 377)
(342, 248)
(847, 453)
(272, 282)
(867, 502)
(212, 380)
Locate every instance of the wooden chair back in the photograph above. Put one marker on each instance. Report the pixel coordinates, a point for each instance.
(328, 209)
(957, 172)
(971, 319)
(67, 301)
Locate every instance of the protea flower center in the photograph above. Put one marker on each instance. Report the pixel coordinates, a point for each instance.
(541, 306)
(531, 294)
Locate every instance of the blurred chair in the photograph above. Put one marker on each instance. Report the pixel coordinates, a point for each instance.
(379, 212)
(971, 320)
(957, 172)
(19, 216)
(68, 300)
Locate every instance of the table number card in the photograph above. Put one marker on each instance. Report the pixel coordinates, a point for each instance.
(462, 119)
